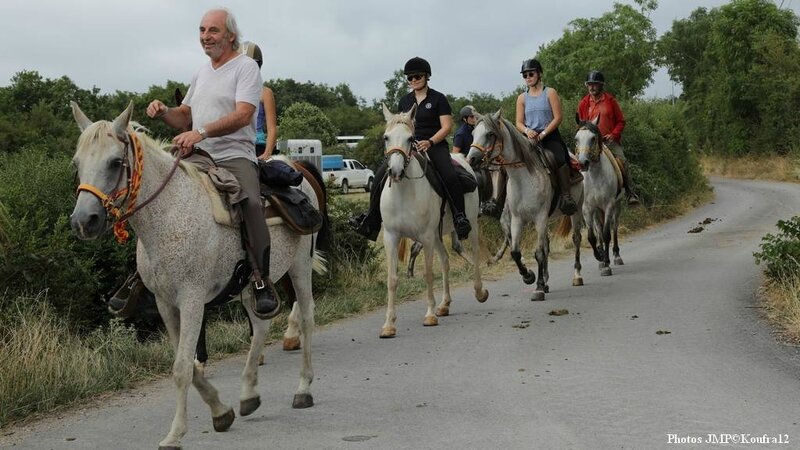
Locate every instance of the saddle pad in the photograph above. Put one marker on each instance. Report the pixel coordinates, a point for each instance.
(617, 165)
(221, 210)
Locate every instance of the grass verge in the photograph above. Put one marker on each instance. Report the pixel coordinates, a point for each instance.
(772, 167)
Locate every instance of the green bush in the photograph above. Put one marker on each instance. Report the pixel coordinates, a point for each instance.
(39, 250)
(781, 253)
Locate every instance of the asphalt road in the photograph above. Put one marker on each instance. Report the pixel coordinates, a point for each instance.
(671, 344)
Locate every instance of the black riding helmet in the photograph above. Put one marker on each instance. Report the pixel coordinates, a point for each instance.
(417, 65)
(596, 76)
(252, 50)
(531, 64)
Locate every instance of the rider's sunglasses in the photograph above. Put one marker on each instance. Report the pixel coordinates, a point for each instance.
(528, 74)
(415, 77)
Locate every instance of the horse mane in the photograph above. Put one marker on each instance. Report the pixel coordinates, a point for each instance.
(525, 148)
(401, 119)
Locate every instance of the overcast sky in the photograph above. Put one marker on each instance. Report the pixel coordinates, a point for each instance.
(472, 45)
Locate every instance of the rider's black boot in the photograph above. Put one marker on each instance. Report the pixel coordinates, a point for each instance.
(366, 225)
(566, 204)
(462, 225)
(633, 199)
(267, 303)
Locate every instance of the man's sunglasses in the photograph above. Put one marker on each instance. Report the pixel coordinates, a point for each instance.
(528, 74)
(415, 77)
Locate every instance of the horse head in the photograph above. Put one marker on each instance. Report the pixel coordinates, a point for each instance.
(588, 142)
(102, 161)
(486, 141)
(398, 140)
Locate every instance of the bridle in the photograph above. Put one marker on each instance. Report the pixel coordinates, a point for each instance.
(497, 144)
(406, 154)
(593, 152)
(120, 204)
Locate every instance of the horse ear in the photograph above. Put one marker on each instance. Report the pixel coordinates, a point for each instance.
(496, 116)
(386, 113)
(80, 117)
(120, 124)
(413, 112)
(577, 119)
(596, 120)
(178, 96)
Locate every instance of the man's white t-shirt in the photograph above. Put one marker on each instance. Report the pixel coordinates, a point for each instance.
(214, 93)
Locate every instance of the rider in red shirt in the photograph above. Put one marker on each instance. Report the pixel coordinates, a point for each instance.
(600, 103)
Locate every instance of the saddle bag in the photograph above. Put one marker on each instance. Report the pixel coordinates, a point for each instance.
(278, 174)
(468, 182)
(294, 206)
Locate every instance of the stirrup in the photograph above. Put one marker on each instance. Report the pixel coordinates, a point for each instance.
(462, 226)
(265, 287)
(124, 301)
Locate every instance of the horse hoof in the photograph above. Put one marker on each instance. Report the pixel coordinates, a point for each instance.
(530, 278)
(430, 321)
(482, 296)
(546, 289)
(443, 311)
(169, 447)
(223, 422)
(618, 261)
(292, 343)
(605, 272)
(302, 401)
(577, 281)
(602, 265)
(538, 296)
(261, 359)
(388, 332)
(200, 367)
(246, 407)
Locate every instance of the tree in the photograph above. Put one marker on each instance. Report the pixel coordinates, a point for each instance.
(306, 121)
(620, 43)
(738, 66)
(396, 88)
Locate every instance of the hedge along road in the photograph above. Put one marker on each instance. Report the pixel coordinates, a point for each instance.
(669, 345)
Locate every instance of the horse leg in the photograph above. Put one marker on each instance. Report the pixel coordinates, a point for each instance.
(528, 277)
(300, 273)
(577, 278)
(201, 352)
(415, 249)
(444, 307)
(541, 260)
(249, 399)
(186, 325)
(430, 319)
(617, 259)
(591, 236)
(291, 338)
(481, 294)
(504, 225)
(390, 243)
(606, 269)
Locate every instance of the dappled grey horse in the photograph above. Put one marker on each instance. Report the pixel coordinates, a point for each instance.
(183, 255)
(603, 193)
(530, 194)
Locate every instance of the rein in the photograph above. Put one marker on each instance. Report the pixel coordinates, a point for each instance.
(130, 192)
(497, 160)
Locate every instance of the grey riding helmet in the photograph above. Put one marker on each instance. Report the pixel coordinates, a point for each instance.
(467, 111)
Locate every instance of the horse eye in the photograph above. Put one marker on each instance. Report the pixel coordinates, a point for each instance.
(115, 163)
(385, 138)
(410, 140)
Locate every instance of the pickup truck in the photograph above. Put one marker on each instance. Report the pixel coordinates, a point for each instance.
(347, 173)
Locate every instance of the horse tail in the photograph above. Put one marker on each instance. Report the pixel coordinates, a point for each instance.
(319, 264)
(324, 235)
(402, 251)
(564, 226)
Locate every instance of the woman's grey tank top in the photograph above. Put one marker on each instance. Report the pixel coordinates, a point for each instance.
(538, 112)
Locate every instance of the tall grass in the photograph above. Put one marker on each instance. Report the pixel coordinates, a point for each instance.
(753, 167)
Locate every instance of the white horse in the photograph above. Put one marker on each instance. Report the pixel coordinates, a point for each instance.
(603, 193)
(530, 195)
(184, 257)
(411, 209)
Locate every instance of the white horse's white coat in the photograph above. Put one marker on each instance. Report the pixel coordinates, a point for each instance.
(602, 197)
(411, 209)
(185, 258)
(528, 194)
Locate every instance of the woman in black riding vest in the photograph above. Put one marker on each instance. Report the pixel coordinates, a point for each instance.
(432, 124)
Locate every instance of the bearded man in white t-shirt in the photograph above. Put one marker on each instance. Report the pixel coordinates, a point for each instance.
(220, 106)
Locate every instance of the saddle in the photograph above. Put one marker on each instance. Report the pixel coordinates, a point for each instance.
(284, 204)
(619, 167)
(468, 182)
